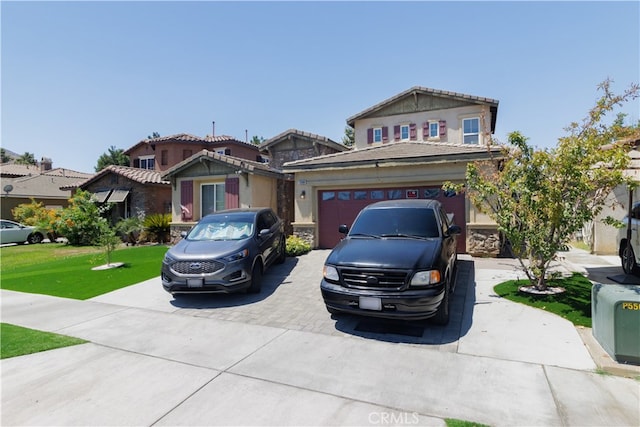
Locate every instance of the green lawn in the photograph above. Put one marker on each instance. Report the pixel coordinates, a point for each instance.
(65, 271)
(18, 341)
(574, 305)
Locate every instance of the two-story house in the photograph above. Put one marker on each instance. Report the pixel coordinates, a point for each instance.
(210, 181)
(139, 189)
(406, 147)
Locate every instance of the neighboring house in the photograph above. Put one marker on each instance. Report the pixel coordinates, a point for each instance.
(132, 191)
(210, 181)
(162, 153)
(138, 189)
(605, 239)
(405, 147)
(42, 183)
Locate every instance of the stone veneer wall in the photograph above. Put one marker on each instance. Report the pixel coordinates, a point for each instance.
(483, 242)
(306, 233)
(175, 231)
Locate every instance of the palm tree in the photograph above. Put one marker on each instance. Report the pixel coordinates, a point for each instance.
(26, 159)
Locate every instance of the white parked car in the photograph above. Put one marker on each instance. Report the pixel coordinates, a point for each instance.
(629, 253)
(13, 232)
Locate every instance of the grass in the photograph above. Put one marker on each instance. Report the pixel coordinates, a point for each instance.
(65, 271)
(574, 305)
(18, 341)
(452, 422)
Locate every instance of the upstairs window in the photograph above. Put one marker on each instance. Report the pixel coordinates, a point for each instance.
(471, 131)
(433, 129)
(147, 162)
(404, 132)
(377, 134)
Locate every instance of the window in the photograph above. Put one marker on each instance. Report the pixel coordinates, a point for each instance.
(377, 134)
(471, 131)
(211, 198)
(433, 130)
(344, 195)
(164, 157)
(377, 194)
(404, 132)
(147, 162)
(186, 154)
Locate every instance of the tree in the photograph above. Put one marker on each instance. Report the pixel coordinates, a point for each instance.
(115, 156)
(81, 222)
(540, 198)
(349, 137)
(257, 140)
(154, 135)
(26, 159)
(4, 157)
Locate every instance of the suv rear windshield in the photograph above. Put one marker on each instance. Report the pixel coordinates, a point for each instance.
(418, 222)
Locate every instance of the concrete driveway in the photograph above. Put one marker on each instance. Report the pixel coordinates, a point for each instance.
(279, 358)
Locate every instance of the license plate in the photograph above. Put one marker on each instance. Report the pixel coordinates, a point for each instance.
(370, 303)
(195, 283)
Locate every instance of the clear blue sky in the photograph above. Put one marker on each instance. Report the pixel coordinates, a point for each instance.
(79, 77)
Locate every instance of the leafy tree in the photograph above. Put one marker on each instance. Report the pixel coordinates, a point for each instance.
(154, 135)
(257, 140)
(26, 159)
(349, 137)
(37, 215)
(81, 222)
(115, 156)
(540, 198)
(4, 157)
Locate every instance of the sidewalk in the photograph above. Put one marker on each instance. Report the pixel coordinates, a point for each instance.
(152, 362)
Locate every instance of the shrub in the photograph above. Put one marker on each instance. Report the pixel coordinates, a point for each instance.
(157, 227)
(130, 229)
(36, 215)
(296, 246)
(81, 222)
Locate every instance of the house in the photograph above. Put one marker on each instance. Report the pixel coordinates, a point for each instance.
(406, 146)
(42, 183)
(162, 153)
(139, 189)
(132, 191)
(210, 181)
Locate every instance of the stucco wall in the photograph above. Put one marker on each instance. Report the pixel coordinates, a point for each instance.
(452, 116)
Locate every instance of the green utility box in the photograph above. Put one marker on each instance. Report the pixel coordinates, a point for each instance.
(615, 317)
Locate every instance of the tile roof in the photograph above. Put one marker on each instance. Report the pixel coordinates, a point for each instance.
(242, 164)
(396, 152)
(426, 91)
(188, 138)
(322, 139)
(143, 176)
(16, 170)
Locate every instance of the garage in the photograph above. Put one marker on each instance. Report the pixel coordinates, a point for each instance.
(341, 206)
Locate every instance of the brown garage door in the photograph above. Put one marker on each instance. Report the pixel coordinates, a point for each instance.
(337, 207)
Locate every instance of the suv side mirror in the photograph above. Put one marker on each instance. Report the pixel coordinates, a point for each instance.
(454, 229)
(263, 233)
(344, 229)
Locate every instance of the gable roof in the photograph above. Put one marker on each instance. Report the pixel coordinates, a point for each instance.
(303, 135)
(191, 139)
(39, 186)
(17, 170)
(394, 153)
(142, 176)
(243, 165)
(420, 90)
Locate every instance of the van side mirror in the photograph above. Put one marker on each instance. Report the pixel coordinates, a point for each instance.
(344, 229)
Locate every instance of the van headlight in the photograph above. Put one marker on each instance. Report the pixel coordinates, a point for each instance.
(426, 278)
(330, 273)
